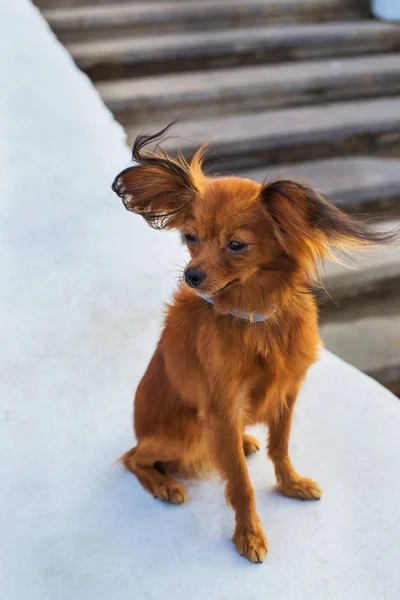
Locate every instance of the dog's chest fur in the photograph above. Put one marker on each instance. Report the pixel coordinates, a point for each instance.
(264, 362)
(272, 361)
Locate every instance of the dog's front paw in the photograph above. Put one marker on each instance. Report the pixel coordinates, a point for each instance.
(300, 488)
(251, 544)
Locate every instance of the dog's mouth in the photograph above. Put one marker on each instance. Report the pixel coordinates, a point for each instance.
(224, 287)
(227, 285)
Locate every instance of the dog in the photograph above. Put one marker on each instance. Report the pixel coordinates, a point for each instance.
(242, 329)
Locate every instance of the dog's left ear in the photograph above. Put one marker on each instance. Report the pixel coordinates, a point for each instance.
(158, 187)
(305, 224)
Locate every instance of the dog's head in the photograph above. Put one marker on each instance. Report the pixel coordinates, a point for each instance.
(236, 229)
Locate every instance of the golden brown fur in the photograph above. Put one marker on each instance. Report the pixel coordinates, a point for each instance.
(212, 373)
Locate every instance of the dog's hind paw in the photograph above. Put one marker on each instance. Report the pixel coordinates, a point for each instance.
(250, 445)
(170, 491)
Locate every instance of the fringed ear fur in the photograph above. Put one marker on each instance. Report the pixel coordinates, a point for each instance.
(158, 187)
(309, 227)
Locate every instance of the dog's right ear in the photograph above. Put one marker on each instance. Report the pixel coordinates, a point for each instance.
(158, 187)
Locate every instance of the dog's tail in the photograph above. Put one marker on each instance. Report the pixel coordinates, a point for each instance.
(126, 459)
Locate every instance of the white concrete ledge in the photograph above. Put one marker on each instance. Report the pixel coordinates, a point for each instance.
(81, 286)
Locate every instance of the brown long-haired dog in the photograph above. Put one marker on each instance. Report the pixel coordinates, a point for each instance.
(241, 331)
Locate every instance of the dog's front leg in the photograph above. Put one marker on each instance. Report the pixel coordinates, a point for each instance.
(289, 483)
(227, 447)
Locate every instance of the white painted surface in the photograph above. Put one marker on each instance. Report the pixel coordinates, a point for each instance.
(388, 10)
(81, 287)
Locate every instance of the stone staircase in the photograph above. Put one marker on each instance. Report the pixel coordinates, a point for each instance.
(303, 88)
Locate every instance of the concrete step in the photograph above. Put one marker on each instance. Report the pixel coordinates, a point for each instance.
(224, 91)
(373, 274)
(362, 326)
(370, 344)
(357, 184)
(112, 58)
(292, 134)
(50, 4)
(84, 22)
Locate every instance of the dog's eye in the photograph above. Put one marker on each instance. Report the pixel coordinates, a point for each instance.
(190, 238)
(235, 246)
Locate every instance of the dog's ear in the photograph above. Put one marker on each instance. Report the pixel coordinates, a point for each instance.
(306, 225)
(158, 187)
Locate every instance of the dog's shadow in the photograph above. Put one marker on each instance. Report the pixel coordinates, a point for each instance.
(130, 526)
(115, 539)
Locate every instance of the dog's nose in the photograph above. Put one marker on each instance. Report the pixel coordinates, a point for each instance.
(194, 277)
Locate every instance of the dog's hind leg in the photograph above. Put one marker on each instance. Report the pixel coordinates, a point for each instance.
(250, 444)
(141, 461)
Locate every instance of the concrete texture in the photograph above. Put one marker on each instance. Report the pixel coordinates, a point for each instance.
(162, 54)
(81, 288)
(141, 18)
(369, 273)
(355, 183)
(270, 137)
(142, 100)
(370, 344)
(360, 320)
